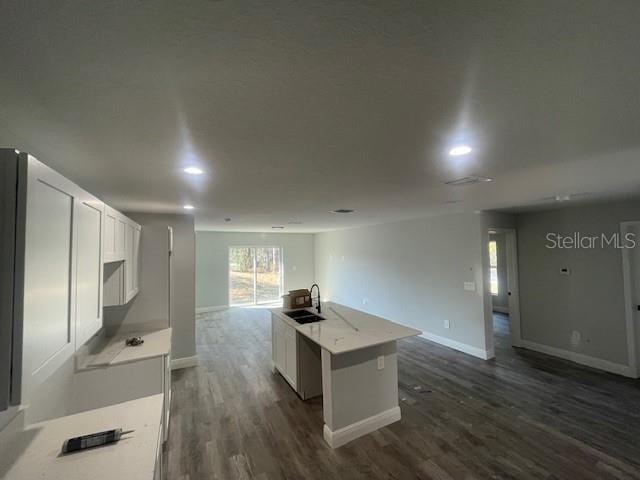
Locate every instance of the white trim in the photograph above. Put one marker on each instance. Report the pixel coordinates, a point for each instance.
(346, 434)
(500, 309)
(629, 304)
(213, 308)
(186, 362)
(580, 358)
(461, 347)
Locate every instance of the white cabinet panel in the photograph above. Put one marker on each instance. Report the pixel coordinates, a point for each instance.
(110, 222)
(291, 360)
(285, 350)
(122, 270)
(279, 345)
(114, 230)
(89, 270)
(49, 269)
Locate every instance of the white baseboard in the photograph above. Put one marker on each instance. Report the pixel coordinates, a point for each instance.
(344, 435)
(501, 309)
(186, 362)
(214, 308)
(461, 347)
(580, 358)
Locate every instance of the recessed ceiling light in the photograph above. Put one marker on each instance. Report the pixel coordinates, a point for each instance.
(189, 207)
(460, 150)
(193, 171)
(343, 210)
(562, 198)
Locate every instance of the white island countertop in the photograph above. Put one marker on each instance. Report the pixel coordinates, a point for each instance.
(339, 336)
(34, 453)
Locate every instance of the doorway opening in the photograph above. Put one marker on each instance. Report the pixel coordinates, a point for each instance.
(503, 288)
(255, 275)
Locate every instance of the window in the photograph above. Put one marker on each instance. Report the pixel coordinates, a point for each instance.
(255, 275)
(493, 266)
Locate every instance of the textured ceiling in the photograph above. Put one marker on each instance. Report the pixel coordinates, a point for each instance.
(294, 109)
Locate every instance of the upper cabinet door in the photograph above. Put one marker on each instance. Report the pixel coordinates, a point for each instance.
(50, 267)
(114, 226)
(89, 227)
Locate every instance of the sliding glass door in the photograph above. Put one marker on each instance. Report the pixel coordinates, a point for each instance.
(255, 275)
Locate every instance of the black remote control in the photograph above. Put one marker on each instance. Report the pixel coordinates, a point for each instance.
(93, 440)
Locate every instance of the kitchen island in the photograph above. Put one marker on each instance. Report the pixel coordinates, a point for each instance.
(356, 356)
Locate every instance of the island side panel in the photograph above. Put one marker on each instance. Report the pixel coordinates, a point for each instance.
(358, 397)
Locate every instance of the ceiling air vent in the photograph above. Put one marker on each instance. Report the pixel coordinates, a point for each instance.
(343, 210)
(470, 180)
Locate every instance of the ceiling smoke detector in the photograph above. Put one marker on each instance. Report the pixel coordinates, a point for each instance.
(470, 180)
(343, 210)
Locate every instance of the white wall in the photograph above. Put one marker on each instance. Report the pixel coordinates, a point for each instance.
(212, 262)
(150, 306)
(591, 299)
(413, 272)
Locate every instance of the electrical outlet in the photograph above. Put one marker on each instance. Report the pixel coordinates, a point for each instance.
(365, 300)
(447, 324)
(380, 362)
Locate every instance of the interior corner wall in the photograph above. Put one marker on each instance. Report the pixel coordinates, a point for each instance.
(212, 255)
(412, 272)
(590, 300)
(151, 305)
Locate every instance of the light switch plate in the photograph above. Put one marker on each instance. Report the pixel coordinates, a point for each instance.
(447, 324)
(470, 286)
(380, 362)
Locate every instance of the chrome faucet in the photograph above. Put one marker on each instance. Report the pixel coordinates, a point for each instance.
(310, 292)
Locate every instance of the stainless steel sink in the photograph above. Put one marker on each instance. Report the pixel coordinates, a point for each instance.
(303, 316)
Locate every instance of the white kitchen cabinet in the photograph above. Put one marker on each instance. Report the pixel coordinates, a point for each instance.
(114, 235)
(297, 358)
(89, 286)
(284, 350)
(62, 271)
(122, 277)
(291, 354)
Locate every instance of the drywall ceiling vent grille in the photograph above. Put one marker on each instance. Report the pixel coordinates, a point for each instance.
(470, 180)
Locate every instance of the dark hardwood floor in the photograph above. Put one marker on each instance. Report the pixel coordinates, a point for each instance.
(522, 415)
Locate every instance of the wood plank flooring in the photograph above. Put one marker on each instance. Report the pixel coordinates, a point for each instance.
(523, 415)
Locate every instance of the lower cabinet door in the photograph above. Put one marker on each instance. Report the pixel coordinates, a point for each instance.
(291, 361)
(279, 345)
